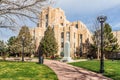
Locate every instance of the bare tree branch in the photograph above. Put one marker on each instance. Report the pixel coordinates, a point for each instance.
(14, 10)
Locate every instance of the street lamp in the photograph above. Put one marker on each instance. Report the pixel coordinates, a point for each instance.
(102, 19)
(23, 38)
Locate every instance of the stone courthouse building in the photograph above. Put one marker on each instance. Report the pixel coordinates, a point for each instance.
(75, 32)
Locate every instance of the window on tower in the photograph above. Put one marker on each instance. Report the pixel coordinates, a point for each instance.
(46, 16)
(61, 24)
(68, 36)
(46, 21)
(76, 26)
(61, 17)
(62, 41)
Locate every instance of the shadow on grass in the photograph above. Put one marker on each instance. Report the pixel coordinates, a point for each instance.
(113, 75)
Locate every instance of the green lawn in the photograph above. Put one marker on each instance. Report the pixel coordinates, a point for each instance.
(112, 68)
(25, 71)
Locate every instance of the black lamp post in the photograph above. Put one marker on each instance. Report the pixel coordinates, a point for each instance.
(102, 19)
(23, 38)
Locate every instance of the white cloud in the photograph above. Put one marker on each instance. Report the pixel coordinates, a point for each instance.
(117, 26)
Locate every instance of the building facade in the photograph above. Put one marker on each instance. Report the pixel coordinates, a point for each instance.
(74, 32)
(117, 35)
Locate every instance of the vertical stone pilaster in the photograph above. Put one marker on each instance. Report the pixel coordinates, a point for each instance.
(57, 37)
(71, 40)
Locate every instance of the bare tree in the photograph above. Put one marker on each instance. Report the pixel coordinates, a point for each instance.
(96, 36)
(14, 11)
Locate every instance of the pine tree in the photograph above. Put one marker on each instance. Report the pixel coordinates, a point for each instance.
(110, 41)
(48, 44)
(12, 45)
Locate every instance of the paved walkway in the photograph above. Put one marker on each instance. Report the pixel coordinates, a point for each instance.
(68, 72)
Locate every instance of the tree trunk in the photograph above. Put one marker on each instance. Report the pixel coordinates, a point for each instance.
(98, 54)
(4, 56)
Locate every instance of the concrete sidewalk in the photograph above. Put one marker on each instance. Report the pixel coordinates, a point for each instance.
(68, 72)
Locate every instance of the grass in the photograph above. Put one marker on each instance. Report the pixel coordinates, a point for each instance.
(112, 68)
(25, 71)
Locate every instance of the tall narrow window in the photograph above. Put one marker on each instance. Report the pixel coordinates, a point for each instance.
(46, 20)
(62, 41)
(68, 36)
(61, 17)
(81, 39)
(62, 37)
(46, 16)
(74, 44)
(76, 26)
(74, 49)
(61, 24)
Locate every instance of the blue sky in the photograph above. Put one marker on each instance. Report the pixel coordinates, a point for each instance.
(88, 10)
(82, 10)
